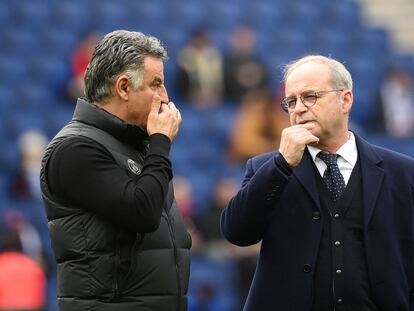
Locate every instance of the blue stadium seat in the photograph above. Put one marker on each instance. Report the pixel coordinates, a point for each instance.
(217, 125)
(7, 97)
(36, 98)
(34, 212)
(223, 15)
(4, 183)
(306, 13)
(110, 15)
(31, 14)
(6, 16)
(18, 122)
(192, 125)
(174, 38)
(341, 15)
(58, 42)
(219, 274)
(329, 42)
(51, 71)
(187, 15)
(402, 61)
(373, 41)
(74, 16)
(365, 105)
(202, 184)
(148, 16)
(20, 42)
(12, 70)
(51, 291)
(57, 118)
(206, 154)
(402, 145)
(9, 157)
(265, 16)
(263, 42)
(292, 43)
(367, 71)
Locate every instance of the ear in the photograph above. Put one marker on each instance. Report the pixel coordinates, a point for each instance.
(122, 87)
(347, 99)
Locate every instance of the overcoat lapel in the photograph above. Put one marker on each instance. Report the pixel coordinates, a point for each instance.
(306, 177)
(372, 177)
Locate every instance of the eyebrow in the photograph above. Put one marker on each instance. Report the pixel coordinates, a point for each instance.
(306, 91)
(157, 80)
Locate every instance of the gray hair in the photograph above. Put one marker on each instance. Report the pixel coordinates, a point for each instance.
(119, 52)
(341, 78)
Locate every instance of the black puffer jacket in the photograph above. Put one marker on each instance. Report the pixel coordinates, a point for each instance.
(102, 266)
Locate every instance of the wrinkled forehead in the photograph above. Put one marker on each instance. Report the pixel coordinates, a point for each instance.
(308, 76)
(153, 66)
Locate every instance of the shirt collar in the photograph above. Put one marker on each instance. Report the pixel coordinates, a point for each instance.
(347, 151)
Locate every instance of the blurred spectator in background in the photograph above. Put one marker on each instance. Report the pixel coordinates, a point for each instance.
(205, 299)
(397, 97)
(79, 61)
(18, 230)
(257, 126)
(200, 74)
(183, 191)
(216, 247)
(209, 221)
(243, 70)
(22, 279)
(26, 184)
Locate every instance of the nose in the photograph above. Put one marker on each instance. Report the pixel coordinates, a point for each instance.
(300, 107)
(163, 94)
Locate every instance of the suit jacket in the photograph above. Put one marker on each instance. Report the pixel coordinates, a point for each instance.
(282, 212)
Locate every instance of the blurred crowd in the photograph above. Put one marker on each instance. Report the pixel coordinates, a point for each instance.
(204, 77)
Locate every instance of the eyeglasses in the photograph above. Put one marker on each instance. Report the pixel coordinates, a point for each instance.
(307, 98)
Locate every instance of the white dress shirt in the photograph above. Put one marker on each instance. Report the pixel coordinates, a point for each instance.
(348, 155)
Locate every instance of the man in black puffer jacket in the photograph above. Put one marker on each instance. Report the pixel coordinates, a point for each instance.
(119, 240)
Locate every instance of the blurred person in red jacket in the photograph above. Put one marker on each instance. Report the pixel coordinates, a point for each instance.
(79, 62)
(22, 279)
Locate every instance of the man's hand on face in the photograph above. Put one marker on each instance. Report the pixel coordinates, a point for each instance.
(294, 140)
(163, 118)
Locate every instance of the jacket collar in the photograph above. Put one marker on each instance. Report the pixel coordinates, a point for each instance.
(91, 114)
(372, 176)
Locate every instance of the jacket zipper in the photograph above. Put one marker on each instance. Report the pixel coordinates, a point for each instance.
(177, 270)
(117, 263)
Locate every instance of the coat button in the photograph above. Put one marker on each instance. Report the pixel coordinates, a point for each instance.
(339, 301)
(307, 268)
(336, 215)
(316, 215)
(338, 272)
(337, 243)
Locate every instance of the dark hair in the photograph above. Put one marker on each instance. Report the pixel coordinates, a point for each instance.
(119, 52)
